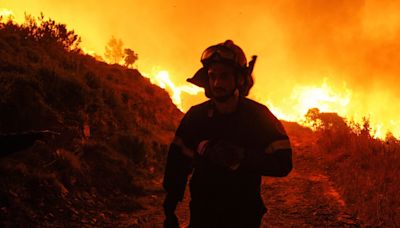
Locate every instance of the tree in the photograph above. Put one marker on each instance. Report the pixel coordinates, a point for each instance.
(313, 118)
(130, 57)
(45, 32)
(51, 32)
(114, 51)
(325, 120)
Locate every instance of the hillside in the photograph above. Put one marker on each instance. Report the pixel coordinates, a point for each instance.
(101, 165)
(113, 129)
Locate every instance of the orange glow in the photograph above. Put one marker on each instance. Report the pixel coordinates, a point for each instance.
(162, 79)
(5, 13)
(88, 52)
(302, 98)
(298, 42)
(328, 99)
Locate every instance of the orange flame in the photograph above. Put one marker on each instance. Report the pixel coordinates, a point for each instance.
(358, 41)
(328, 99)
(162, 79)
(6, 13)
(303, 97)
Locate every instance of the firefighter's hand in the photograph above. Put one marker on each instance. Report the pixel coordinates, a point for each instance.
(171, 221)
(223, 153)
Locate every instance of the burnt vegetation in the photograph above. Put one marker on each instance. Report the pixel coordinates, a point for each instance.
(114, 127)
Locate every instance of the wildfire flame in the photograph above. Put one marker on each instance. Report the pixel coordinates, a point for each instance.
(327, 99)
(302, 98)
(162, 79)
(6, 13)
(357, 41)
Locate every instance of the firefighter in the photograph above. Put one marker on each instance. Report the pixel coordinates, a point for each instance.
(227, 143)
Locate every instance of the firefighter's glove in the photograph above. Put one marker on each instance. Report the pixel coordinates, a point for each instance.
(171, 221)
(222, 153)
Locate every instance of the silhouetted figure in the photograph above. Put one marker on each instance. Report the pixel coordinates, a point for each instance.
(228, 142)
(11, 143)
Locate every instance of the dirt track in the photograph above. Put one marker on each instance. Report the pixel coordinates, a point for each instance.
(306, 198)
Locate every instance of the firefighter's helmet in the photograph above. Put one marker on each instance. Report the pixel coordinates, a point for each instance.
(229, 53)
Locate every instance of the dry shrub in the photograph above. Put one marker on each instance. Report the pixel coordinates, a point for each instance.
(72, 159)
(65, 93)
(91, 80)
(47, 84)
(365, 169)
(21, 96)
(132, 147)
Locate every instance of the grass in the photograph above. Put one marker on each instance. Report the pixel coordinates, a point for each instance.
(366, 170)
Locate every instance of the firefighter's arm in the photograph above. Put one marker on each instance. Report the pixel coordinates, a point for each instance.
(275, 160)
(178, 167)
(272, 157)
(177, 170)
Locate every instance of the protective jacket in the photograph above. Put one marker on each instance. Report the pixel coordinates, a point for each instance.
(222, 197)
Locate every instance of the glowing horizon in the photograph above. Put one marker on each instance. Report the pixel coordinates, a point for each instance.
(306, 49)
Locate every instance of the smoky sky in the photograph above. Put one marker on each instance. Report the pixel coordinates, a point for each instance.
(298, 41)
(351, 38)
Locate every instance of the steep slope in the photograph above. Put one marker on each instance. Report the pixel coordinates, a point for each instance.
(113, 129)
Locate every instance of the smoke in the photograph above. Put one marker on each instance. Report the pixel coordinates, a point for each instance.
(298, 41)
(344, 37)
(351, 42)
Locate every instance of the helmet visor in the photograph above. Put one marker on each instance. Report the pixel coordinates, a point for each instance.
(219, 53)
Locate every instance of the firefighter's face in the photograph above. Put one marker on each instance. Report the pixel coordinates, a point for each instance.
(221, 78)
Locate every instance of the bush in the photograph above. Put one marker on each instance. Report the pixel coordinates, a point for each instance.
(63, 93)
(21, 95)
(50, 33)
(46, 83)
(135, 149)
(365, 169)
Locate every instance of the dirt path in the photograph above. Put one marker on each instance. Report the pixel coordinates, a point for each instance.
(306, 198)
